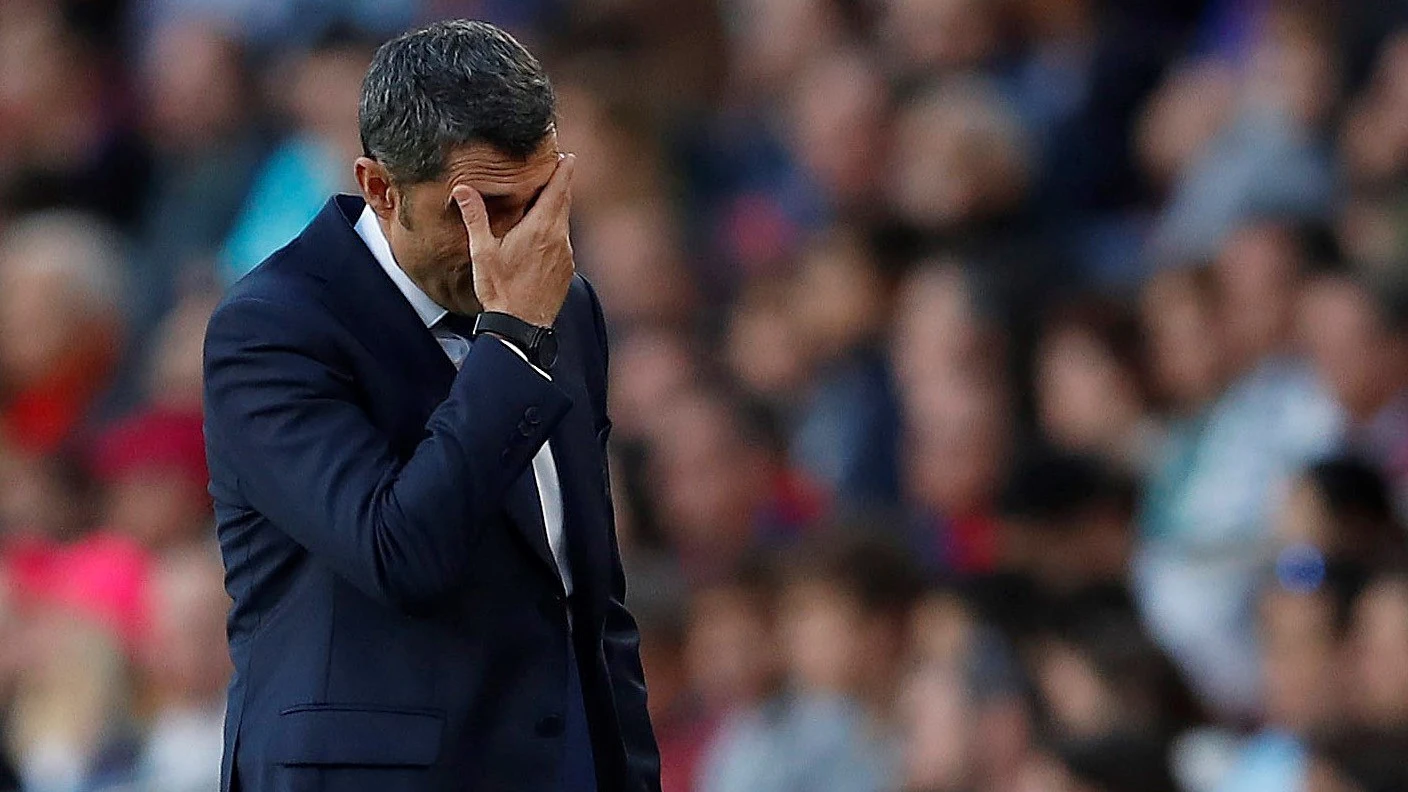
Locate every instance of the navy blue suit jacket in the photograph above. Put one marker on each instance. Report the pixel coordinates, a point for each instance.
(398, 621)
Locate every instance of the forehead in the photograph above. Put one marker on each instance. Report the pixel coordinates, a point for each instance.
(496, 174)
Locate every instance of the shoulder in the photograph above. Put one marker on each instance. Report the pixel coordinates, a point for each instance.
(278, 300)
(582, 315)
(582, 299)
(582, 318)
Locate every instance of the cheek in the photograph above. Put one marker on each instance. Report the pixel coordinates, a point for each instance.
(446, 246)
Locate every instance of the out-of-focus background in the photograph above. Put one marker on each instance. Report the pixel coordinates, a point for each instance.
(1009, 395)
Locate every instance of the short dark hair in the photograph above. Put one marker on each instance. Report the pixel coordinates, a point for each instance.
(860, 561)
(1359, 500)
(448, 84)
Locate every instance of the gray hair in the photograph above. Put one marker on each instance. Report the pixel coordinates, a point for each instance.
(446, 85)
(84, 251)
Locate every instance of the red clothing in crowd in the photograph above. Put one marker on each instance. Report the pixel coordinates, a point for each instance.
(104, 576)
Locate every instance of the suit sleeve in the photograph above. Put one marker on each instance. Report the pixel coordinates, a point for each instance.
(622, 636)
(307, 457)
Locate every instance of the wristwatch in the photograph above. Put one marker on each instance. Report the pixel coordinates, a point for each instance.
(538, 343)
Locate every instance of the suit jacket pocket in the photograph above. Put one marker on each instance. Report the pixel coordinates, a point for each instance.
(357, 735)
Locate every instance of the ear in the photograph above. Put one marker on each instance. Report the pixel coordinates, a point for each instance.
(377, 189)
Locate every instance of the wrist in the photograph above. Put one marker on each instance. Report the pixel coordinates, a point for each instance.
(538, 343)
(530, 317)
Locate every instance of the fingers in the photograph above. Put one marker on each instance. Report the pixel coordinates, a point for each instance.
(556, 198)
(476, 218)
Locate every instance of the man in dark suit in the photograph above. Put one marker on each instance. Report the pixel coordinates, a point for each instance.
(406, 426)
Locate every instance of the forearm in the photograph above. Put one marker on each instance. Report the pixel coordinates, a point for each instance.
(310, 460)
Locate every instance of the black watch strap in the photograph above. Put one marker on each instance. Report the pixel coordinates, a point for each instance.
(538, 343)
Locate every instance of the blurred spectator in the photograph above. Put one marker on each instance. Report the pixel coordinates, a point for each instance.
(1339, 509)
(649, 368)
(69, 719)
(847, 430)
(1185, 341)
(313, 162)
(733, 652)
(1182, 119)
(839, 126)
(1208, 510)
(963, 705)
(1379, 651)
(44, 499)
(53, 558)
(1374, 146)
(60, 326)
(621, 166)
(725, 487)
(960, 158)
(1269, 156)
(64, 139)
(939, 329)
(1066, 542)
(1080, 83)
(679, 711)
(174, 377)
(1357, 339)
(199, 93)
(1305, 615)
(948, 358)
(1359, 761)
(632, 253)
(1092, 387)
(185, 670)
(151, 467)
(764, 343)
(11, 654)
(749, 196)
(956, 446)
(927, 37)
(1099, 676)
(843, 618)
(773, 40)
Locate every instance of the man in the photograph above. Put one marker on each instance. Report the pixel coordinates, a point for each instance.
(406, 420)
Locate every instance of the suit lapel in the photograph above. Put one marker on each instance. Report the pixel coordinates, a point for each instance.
(377, 313)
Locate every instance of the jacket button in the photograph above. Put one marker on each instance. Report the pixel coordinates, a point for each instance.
(549, 726)
(532, 416)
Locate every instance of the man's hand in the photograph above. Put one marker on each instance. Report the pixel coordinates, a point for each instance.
(527, 273)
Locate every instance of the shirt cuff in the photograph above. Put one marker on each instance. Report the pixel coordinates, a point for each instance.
(523, 355)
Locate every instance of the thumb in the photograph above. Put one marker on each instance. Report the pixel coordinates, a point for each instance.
(475, 217)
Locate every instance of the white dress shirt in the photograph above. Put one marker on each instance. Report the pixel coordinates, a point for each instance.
(457, 348)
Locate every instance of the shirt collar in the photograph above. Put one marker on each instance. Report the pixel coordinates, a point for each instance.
(369, 229)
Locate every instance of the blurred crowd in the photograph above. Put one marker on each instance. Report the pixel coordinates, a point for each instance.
(1009, 395)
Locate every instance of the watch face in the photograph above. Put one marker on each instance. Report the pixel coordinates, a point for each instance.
(547, 350)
